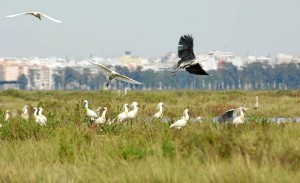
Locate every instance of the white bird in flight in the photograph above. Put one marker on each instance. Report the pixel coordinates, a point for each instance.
(113, 74)
(182, 121)
(37, 15)
(188, 60)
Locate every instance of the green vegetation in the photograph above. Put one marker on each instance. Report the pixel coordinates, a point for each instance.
(66, 150)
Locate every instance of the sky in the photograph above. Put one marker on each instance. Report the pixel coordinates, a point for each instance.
(149, 28)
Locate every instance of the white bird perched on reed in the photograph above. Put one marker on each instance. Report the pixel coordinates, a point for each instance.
(111, 74)
(8, 115)
(25, 114)
(90, 113)
(38, 15)
(102, 119)
(40, 113)
(159, 114)
(182, 121)
(256, 104)
(188, 60)
(122, 116)
(38, 119)
(232, 116)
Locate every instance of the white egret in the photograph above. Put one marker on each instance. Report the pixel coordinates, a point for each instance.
(102, 119)
(38, 15)
(133, 113)
(182, 121)
(159, 114)
(25, 114)
(232, 116)
(111, 74)
(188, 60)
(122, 116)
(90, 113)
(8, 115)
(38, 119)
(256, 104)
(40, 113)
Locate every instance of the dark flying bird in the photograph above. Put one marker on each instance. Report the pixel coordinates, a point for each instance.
(37, 15)
(113, 74)
(188, 60)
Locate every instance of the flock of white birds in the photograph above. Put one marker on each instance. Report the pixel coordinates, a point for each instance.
(98, 119)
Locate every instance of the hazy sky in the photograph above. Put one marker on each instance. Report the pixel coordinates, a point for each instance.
(149, 28)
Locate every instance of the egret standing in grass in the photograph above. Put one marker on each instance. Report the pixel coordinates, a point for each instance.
(232, 116)
(25, 114)
(38, 119)
(181, 122)
(102, 119)
(40, 113)
(37, 15)
(90, 113)
(133, 113)
(188, 60)
(159, 114)
(111, 74)
(256, 104)
(8, 115)
(122, 116)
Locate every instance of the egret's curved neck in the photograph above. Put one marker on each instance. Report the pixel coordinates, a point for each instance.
(161, 109)
(198, 60)
(35, 112)
(126, 109)
(86, 105)
(40, 111)
(103, 113)
(186, 116)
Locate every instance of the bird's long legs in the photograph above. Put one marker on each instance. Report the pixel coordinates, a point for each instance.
(175, 71)
(108, 81)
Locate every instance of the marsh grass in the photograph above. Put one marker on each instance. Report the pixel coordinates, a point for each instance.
(66, 150)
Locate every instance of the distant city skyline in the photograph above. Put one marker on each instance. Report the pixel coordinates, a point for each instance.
(149, 28)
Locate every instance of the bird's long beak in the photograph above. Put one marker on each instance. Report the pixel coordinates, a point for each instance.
(166, 108)
(246, 113)
(141, 107)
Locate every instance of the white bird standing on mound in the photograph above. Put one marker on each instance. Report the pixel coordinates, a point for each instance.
(159, 114)
(188, 60)
(256, 104)
(41, 115)
(90, 113)
(38, 15)
(181, 122)
(25, 114)
(111, 74)
(38, 119)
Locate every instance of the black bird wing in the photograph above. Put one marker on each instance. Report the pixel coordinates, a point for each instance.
(226, 116)
(185, 49)
(196, 69)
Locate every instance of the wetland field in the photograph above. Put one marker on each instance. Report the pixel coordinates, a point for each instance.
(145, 149)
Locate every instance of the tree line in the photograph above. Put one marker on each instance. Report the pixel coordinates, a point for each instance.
(254, 76)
